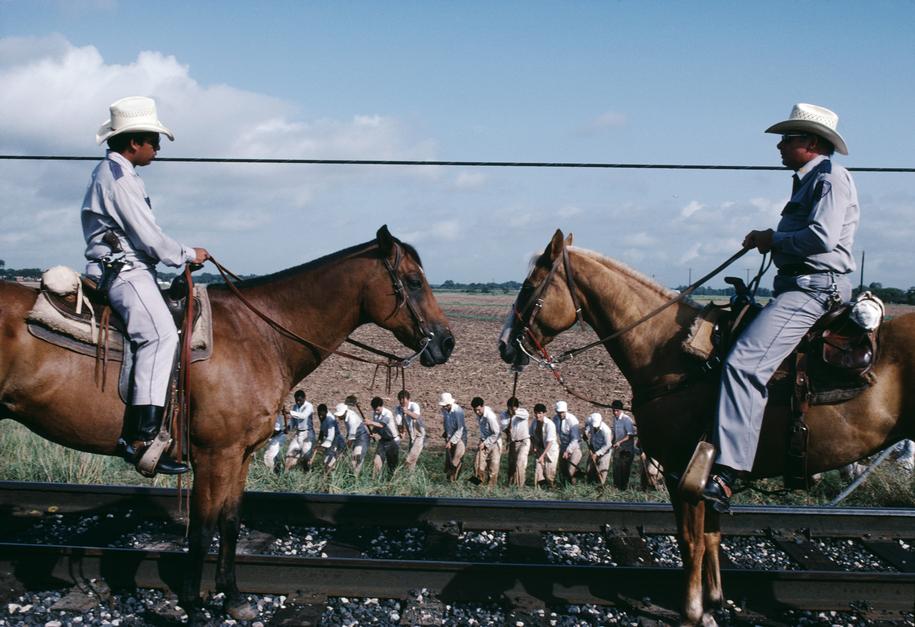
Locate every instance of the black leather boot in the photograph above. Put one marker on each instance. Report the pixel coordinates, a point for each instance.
(718, 488)
(141, 425)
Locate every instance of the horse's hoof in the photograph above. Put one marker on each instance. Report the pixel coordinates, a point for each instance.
(241, 610)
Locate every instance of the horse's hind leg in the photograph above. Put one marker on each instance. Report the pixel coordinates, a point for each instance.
(236, 605)
(202, 524)
(691, 538)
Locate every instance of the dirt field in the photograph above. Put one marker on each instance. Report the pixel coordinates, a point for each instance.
(475, 368)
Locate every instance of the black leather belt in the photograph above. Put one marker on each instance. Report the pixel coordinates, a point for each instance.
(798, 269)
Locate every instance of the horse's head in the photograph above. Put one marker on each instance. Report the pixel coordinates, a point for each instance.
(404, 304)
(544, 307)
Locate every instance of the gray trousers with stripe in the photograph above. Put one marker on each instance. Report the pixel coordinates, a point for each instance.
(135, 296)
(797, 304)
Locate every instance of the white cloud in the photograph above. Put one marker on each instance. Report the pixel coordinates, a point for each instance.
(568, 211)
(470, 180)
(444, 231)
(608, 119)
(691, 208)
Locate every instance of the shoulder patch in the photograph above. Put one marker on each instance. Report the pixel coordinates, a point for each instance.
(116, 170)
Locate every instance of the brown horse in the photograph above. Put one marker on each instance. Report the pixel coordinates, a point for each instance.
(237, 393)
(613, 296)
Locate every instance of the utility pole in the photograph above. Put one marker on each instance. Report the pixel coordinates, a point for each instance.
(861, 286)
(748, 275)
(690, 282)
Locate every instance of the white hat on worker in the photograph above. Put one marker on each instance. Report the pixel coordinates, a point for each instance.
(446, 399)
(132, 114)
(810, 118)
(340, 409)
(594, 420)
(522, 413)
(561, 406)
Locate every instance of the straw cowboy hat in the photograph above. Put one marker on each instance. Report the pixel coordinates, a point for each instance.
(809, 118)
(130, 115)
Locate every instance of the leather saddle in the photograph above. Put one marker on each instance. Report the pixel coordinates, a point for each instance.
(832, 364)
(83, 322)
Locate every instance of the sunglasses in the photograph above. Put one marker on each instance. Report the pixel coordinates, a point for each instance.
(152, 141)
(789, 136)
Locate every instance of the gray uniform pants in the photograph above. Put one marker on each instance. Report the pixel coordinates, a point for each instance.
(798, 303)
(135, 296)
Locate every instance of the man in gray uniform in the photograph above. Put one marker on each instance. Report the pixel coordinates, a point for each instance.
(117, 218)
(812, 249)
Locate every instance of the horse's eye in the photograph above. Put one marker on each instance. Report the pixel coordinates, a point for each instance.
(413, 282)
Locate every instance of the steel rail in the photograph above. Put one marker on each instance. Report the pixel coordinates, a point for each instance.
(521, 585)
(21, 498)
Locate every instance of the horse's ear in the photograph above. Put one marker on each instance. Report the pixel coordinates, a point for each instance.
(569, 240)
(554, 248)
(386, 241)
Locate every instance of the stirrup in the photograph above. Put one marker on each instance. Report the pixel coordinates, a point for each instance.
(692, 483)
(153, 459)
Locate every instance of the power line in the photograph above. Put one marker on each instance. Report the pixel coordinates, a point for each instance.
(477, 164)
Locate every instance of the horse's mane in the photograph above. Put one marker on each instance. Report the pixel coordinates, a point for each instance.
(352, 251)
(622, 268)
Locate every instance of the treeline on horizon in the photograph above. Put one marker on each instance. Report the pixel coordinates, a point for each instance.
(886, 294)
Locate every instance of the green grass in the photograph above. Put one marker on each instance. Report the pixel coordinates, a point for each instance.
(27, 457)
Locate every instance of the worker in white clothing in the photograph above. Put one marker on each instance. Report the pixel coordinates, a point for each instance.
(600, 443)
(520, 435)
(387, 451)
(546, 448)
(569, 446)
(275, 443)
(302, 433)
(505, 420)
(331, 437)
(489, 451)
(455, 434)
(357, 436)
(408, 417)
(123, 246)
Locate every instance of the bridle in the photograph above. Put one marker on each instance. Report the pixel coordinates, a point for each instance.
(536, 302)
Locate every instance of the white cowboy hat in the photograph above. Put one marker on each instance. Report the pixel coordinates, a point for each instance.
(594, 420)
(132, 114)
(340, 409)
(812, 119)
(446, 399)
(561, 406)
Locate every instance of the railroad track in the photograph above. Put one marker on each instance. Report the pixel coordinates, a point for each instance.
(530, 555)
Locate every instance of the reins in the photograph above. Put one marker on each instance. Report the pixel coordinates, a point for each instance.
(552, 363)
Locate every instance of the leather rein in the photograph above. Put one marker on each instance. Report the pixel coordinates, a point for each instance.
(403, 299)
(536, 302)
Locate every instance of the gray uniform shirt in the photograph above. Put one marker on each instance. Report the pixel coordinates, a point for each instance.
(819, 222)
(622, 427)
(116, 201)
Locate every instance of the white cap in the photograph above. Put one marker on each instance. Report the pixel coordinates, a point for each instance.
(446, 399)
(594, 420)
(340, 409)
(561, 406)
(130, 115)
(522, 413)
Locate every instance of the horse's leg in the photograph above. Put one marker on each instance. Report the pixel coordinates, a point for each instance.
(235, 605)
(204, 512)
(714, 595)
(691, 539)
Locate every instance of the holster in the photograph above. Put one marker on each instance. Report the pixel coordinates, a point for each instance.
(111, 268)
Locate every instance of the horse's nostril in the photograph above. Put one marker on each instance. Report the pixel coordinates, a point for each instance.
(448, 345)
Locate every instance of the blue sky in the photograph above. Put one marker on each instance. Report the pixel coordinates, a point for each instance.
(632, 82)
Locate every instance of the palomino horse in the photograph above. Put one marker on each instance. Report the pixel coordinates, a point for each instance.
(674, 401)
(237, 393)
